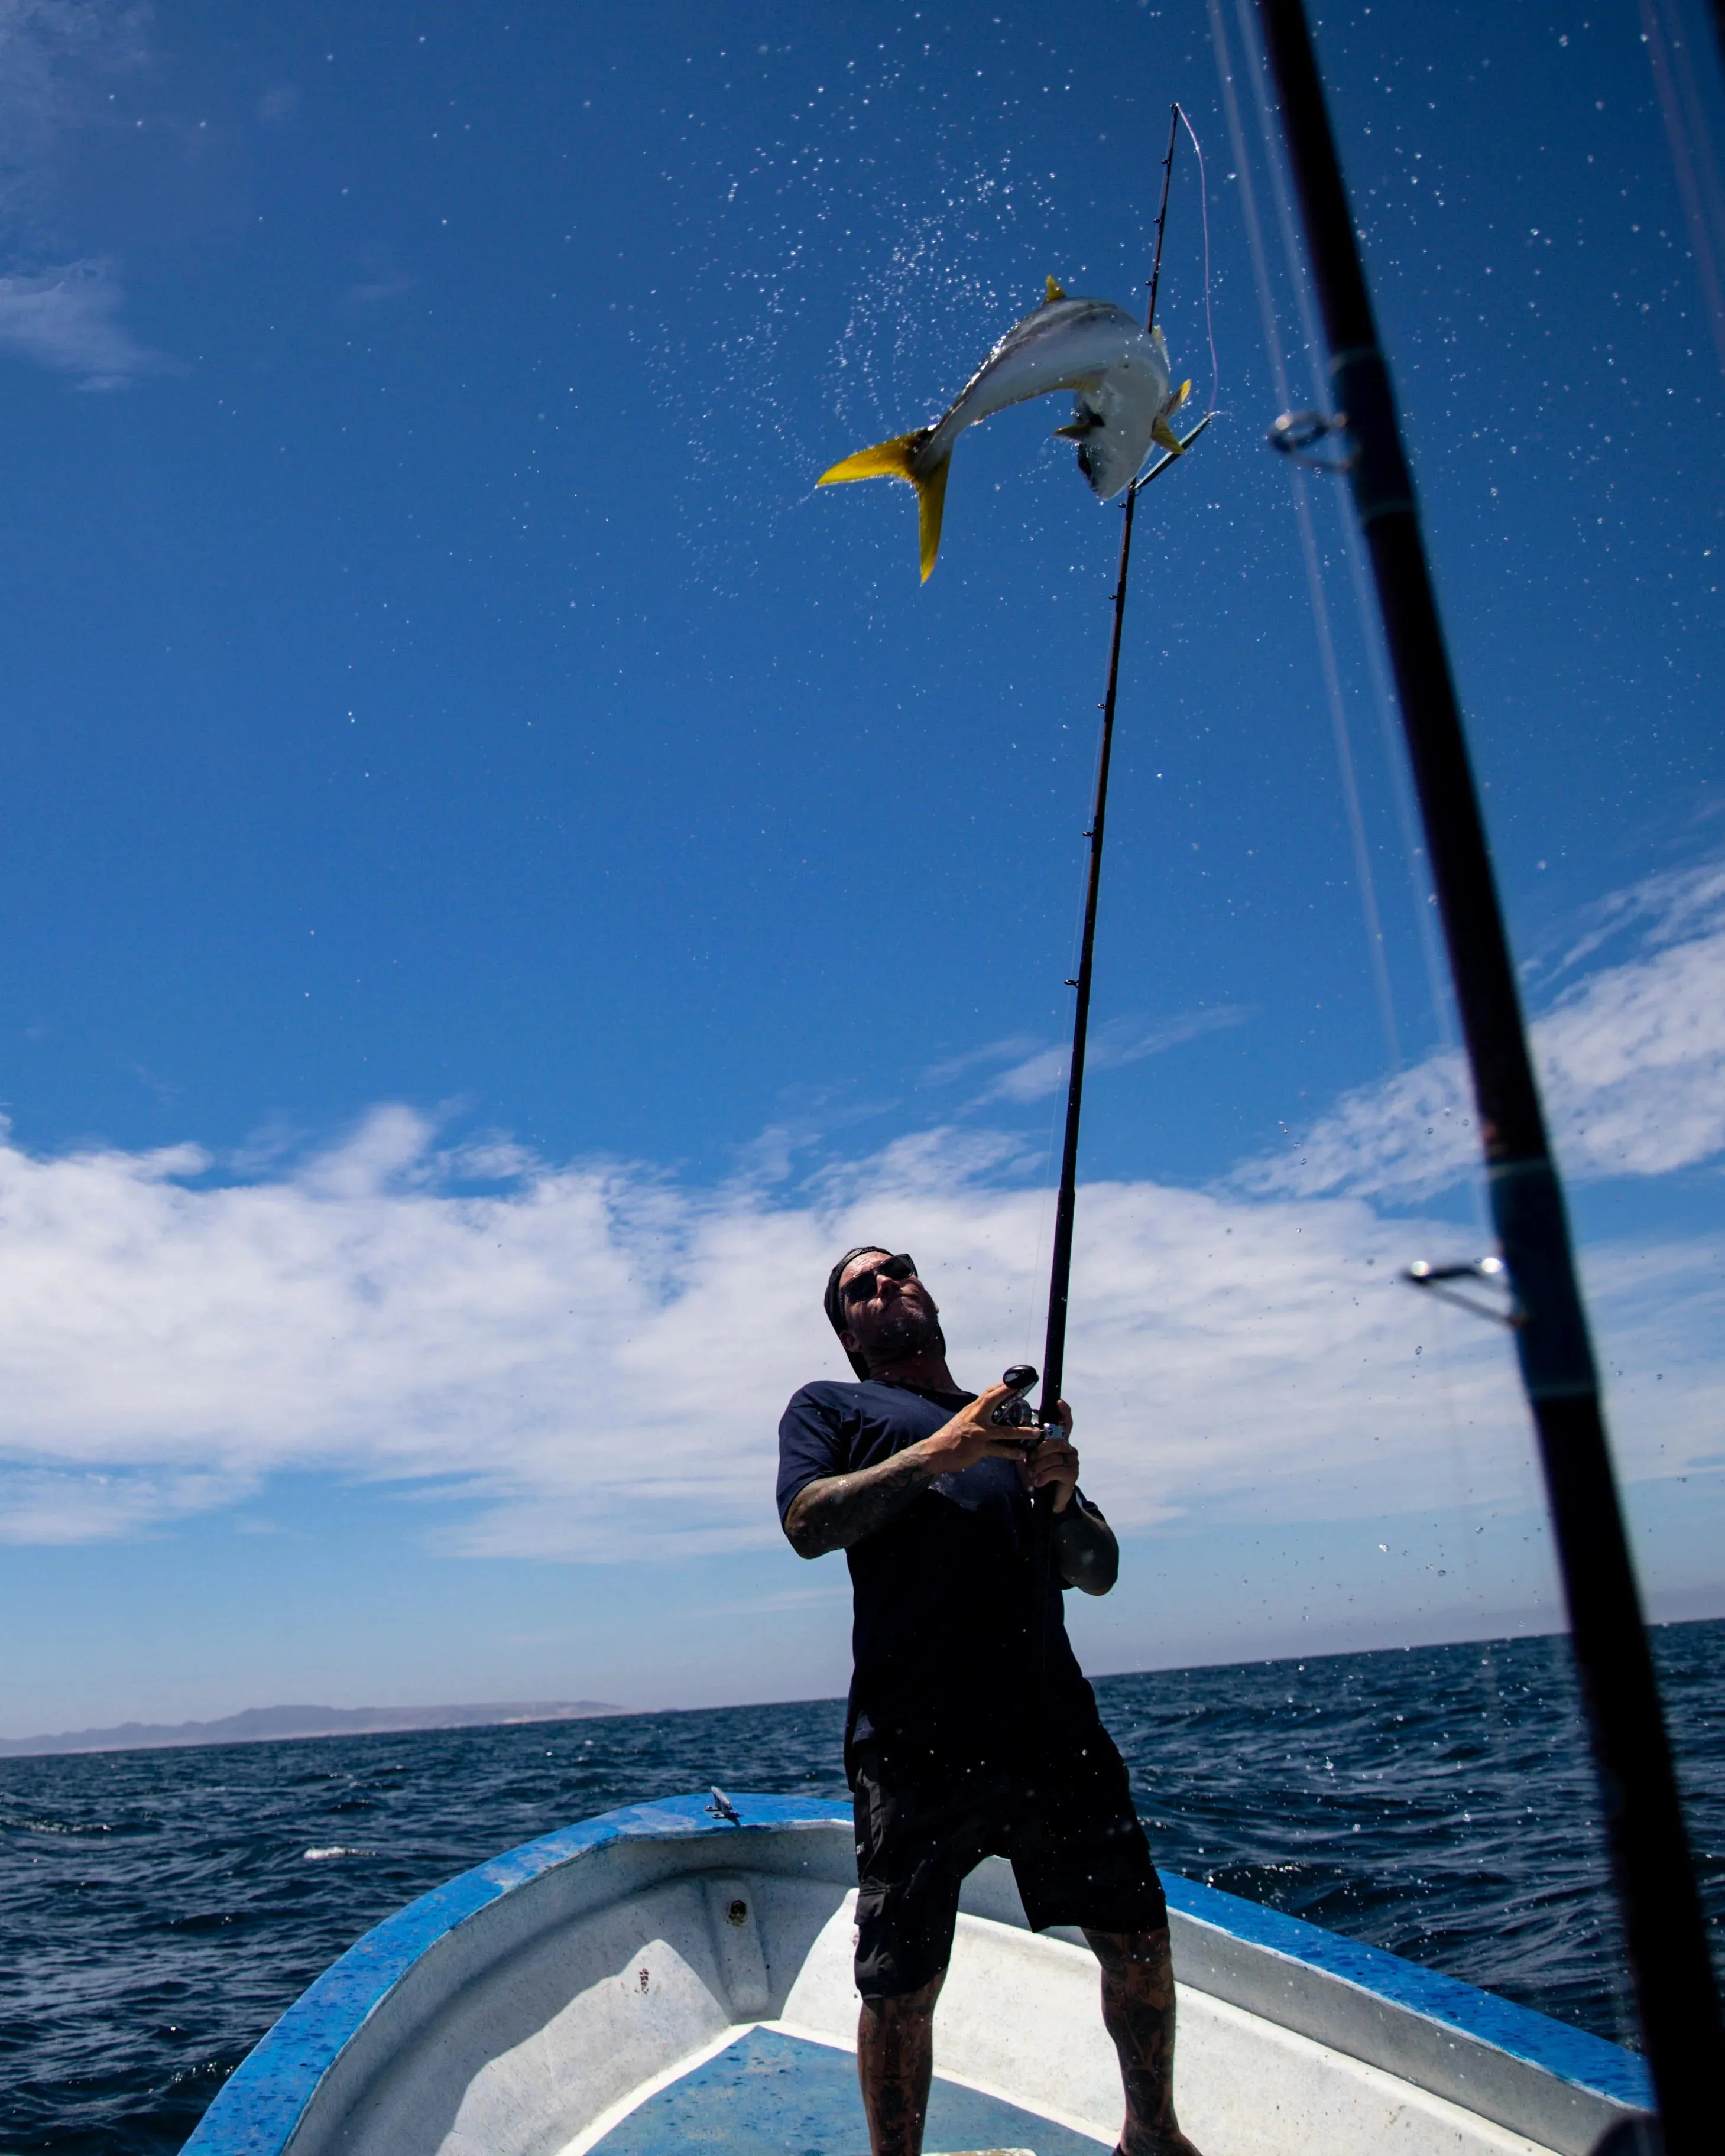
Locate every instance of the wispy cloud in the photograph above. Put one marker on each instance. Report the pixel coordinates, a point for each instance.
(50, 1505)
(61, 307)
(376, 290)
(54, 54)
(1035, 1069)
(1631, 1060)
(69, 319)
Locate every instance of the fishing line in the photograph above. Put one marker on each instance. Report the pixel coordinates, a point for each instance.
(1365, 614)
(1441, 1365)
(1377, 672)
(1366, 620)
(1329, 667)
(1204, 212)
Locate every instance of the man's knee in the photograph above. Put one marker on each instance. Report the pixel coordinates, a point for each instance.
(1125, 1947)
(901, 2010)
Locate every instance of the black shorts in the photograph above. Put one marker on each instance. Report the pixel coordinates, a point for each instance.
(1066, 1823)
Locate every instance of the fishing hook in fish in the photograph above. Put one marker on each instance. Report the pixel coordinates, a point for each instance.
(1166, 458)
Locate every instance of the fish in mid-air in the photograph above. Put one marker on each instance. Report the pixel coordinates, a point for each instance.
(1125, 397)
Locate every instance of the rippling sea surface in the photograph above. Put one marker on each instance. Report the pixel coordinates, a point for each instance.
(159, 1909)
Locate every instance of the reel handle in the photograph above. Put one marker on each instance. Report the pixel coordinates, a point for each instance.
(1017, 1413)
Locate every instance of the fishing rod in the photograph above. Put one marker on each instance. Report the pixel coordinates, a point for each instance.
(1054, 1353)
(1664, 1928)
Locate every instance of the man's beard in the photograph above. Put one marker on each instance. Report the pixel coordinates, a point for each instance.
(908, 1331)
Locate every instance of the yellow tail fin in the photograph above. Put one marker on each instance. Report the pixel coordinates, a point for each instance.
(885, 460)
(931, 507)
(895, 460)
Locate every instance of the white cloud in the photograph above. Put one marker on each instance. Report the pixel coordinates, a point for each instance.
(1631, 1062)
(591, 1362)
(69, 318)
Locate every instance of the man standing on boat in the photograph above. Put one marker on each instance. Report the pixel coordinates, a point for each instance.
(971, 1729)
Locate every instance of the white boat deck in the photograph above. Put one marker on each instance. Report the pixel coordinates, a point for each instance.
(659, 1979)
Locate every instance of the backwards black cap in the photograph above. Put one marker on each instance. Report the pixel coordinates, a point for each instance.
(836, 1309)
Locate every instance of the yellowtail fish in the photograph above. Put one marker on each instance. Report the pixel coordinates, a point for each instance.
(1125, 396)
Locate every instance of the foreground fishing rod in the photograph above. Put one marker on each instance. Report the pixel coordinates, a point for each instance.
(1663, 1925)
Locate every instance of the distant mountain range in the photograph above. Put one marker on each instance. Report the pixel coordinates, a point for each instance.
(263, 1724)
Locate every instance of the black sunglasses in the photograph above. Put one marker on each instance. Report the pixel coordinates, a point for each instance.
(860, 1285)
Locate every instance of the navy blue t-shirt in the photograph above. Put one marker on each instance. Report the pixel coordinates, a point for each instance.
(944, 1596)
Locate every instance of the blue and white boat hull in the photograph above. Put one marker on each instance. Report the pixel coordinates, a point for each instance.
(658, 1975)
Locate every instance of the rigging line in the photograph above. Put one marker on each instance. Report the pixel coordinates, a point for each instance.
(1327, 665)
(1691, 149)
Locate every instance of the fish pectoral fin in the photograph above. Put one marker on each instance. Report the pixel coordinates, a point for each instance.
(1180, 396)
(1165, 438)
(884, 461)
(931, 507)
(1053, 293)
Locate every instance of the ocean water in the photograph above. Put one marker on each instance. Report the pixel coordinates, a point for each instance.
(159, 1909)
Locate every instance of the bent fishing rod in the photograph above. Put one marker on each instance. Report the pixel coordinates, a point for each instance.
(1664, 1928)
(1022, 1377)
(1054, 1353)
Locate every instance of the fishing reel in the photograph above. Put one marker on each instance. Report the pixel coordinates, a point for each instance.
(1017, 1414)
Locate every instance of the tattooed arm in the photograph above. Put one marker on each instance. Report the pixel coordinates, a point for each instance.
(1085, 1549)
(838, 1510)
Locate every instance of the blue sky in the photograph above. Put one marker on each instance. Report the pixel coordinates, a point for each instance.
(503, 877)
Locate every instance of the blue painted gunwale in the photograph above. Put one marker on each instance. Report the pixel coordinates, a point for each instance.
(261, 2102)
(1573, 2055)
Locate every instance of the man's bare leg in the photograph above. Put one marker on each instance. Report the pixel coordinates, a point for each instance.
(895, 2064)
(1138, 2013)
